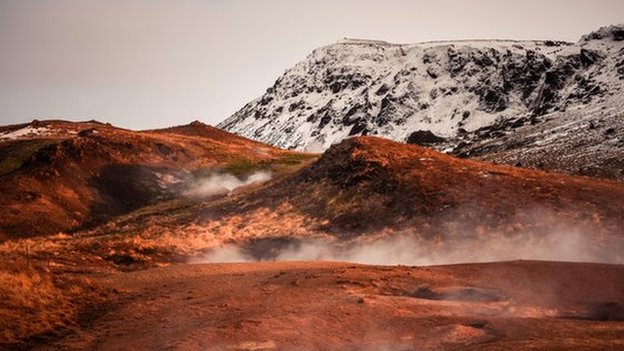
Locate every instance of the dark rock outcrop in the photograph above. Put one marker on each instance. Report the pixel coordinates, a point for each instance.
(424, 138)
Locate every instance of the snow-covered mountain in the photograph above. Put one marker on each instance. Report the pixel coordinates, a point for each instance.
(431, 92)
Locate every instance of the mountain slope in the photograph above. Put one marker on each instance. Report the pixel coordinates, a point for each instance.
(367, 184)
(451, 89)
(366, 189)
(588, 141)
(57, 175)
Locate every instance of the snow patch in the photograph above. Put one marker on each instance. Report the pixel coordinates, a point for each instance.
(25, 132)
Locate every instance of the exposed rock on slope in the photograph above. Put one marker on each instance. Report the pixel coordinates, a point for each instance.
(451, 89)
(588, 141)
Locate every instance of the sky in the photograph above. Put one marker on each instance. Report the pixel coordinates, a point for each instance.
(145, 64)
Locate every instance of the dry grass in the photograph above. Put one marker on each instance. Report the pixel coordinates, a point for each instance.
(30, 304)
(37, 302)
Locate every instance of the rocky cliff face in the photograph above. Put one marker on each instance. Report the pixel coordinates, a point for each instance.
(439, 92)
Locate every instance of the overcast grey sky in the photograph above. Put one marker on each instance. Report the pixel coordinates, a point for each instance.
(154, 63)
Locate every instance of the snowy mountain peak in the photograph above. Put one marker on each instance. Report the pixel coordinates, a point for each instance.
(613, 32)
(450, 89)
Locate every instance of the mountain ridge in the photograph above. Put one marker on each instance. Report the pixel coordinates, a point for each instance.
(452, 89)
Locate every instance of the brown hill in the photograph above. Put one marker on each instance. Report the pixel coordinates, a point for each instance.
(394, 184)
(197, 128)
(368, 183)
(57, 175)
(365, 189)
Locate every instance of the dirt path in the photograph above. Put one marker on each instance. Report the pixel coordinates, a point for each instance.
(326, 306)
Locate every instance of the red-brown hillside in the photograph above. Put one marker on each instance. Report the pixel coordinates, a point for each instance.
(366, 185)
(57, 175)
(367, 188)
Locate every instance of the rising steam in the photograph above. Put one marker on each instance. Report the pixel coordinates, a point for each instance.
(223, 183)
(408, 249)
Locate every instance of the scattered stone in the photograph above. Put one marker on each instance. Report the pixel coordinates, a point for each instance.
(424, 138)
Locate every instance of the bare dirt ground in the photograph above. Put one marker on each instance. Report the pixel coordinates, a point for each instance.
(342, 306)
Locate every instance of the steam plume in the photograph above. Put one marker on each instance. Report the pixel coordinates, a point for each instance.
(408, 249)
(223, 183)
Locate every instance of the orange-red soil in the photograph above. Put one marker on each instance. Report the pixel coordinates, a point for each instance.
(340, 306)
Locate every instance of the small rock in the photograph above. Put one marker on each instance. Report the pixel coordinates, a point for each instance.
(424, 137)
